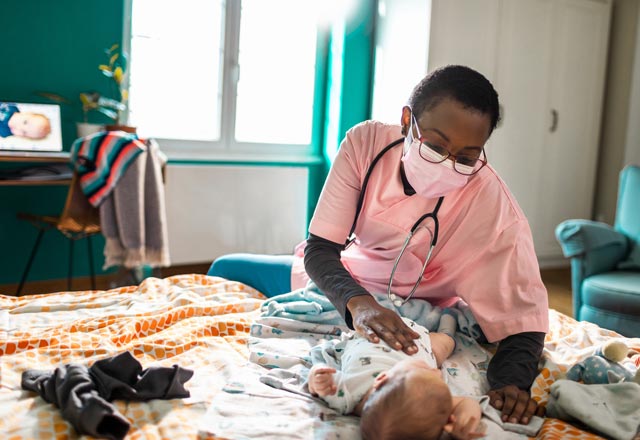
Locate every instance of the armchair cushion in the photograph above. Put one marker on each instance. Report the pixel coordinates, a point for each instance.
(628, 208)
(617, 292)
(599, 245)
(612, 300)
(578, 237)
(633, 260)
(628, 213)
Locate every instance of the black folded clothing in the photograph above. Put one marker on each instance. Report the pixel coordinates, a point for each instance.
(83, 393)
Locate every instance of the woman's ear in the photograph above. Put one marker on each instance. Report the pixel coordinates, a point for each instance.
(405, 120)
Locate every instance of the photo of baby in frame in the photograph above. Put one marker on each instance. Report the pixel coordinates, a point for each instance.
(30, 127)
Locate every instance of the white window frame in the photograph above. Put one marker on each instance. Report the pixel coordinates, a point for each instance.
(227, 148)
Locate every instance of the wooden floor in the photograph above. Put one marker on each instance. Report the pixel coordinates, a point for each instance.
(103, 282)
(557, 281)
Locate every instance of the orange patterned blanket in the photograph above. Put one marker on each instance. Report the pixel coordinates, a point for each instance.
(195, 321)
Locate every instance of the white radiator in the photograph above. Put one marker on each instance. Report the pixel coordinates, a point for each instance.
(217, 209)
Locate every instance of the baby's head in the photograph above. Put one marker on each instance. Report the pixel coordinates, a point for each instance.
(29, 125)
(409, 401)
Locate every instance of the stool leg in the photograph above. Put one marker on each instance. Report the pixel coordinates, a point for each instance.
(70, 264)
(91, 271)
(30, 261)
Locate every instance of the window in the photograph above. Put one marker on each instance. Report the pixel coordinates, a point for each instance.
(401, 58)
(228, 76)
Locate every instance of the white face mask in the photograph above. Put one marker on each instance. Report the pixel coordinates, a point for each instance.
(428, 179)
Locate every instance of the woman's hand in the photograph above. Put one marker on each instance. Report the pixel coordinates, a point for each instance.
(375, 322)
(321, 381)
(516, 405)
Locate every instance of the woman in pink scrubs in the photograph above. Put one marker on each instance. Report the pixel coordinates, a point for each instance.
(430, 175)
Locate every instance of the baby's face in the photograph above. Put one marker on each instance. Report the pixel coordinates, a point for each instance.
(29, 125)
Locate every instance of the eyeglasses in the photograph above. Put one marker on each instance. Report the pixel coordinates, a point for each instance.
(466, 164)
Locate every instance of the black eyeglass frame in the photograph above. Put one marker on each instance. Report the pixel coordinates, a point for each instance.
(425, 144)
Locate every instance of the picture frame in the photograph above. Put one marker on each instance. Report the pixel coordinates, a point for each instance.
(30, 127)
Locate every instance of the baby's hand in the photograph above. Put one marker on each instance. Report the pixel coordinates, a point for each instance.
(471, 429)
(321, 381)
(464, 422)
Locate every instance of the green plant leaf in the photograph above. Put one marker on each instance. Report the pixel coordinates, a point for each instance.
(54, 97)
(110, 103)
(108, 112)
(118, 74)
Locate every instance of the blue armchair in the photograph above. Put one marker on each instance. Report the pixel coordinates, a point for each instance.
(605, 262)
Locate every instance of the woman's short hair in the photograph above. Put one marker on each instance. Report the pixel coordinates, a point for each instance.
(461, 83)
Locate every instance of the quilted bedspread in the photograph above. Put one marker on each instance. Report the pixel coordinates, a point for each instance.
(198, 322)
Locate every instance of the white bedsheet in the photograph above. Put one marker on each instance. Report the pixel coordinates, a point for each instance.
(279, 351)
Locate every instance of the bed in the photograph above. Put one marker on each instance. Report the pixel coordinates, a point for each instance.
(216, 328)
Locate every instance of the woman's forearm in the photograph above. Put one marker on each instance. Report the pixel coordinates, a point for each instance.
(516, 361)
(322, 264)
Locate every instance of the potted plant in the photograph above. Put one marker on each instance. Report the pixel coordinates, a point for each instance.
(88, 103)
(113, 107)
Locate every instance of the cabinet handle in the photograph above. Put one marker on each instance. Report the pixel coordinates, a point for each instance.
(554, 120)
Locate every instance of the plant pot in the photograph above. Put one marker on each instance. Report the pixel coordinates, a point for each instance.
(119, 127)
(86, 128)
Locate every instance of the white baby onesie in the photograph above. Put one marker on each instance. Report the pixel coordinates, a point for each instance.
(360, 361)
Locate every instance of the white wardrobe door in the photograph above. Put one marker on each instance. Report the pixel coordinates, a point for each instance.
(580, 45)
(464, 32)
(516, 147)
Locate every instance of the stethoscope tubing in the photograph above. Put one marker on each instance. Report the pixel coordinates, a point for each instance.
(397, 301)
(434, 235)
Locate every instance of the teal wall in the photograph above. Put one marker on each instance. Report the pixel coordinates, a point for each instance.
(350, 62)
(60, 47)
(358, 63)
(53, 46)
(350, 74)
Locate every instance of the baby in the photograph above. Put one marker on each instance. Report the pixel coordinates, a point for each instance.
(398, 396)
(13, 122)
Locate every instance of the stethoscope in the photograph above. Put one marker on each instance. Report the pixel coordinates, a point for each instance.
(396, 300)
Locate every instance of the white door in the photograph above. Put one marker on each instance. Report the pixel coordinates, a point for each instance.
(524, 69)
(570, 151)
(464, 32)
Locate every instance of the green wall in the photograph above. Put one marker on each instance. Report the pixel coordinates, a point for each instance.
(53, 46)
(358, 63)
(350, 75)
(60, 47)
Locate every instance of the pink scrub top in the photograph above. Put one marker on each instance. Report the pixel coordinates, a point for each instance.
(484, 254)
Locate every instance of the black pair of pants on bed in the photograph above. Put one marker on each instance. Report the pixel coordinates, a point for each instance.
(83, 393)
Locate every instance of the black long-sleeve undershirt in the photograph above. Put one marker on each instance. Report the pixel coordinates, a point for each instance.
(514, 363)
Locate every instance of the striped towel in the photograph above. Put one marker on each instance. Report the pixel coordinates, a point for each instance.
(101, 159)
